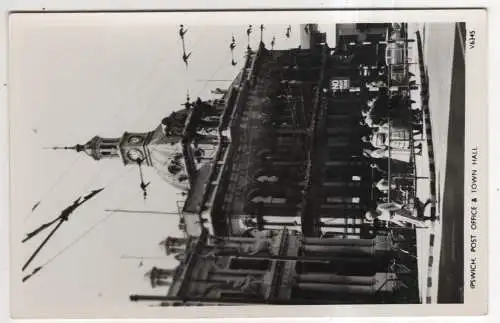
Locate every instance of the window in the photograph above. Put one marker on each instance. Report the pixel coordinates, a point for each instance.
(252, 264)
(107, 146)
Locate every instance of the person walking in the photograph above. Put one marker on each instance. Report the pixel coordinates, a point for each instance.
(400, 214)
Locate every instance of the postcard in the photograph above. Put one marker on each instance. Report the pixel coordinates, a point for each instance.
(248, 164)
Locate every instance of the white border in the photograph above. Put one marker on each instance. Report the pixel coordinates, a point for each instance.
(96, 4)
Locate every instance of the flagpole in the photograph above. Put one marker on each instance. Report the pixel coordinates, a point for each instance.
(141, 211)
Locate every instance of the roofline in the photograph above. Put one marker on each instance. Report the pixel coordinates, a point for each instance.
(221, 127)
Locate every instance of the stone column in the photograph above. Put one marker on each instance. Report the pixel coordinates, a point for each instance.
(280, 226)
(284, 163)
(331, 247)
(344, 184)
(331, 250)
(338, 242)
(344, 129)
(290, 131)
(381, 282)
(271, 219)
(333, 205)
(336, 279)
(344, 163)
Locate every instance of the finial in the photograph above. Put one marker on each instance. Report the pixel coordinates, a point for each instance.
(76, 147)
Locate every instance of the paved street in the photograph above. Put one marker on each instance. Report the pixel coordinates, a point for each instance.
(443, 56)
(452, 205)
(440, 281)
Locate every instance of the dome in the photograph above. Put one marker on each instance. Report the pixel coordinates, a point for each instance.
(166, 158)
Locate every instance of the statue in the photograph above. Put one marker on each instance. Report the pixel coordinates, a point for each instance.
(246, 285)
(262, 243)
(174, 123)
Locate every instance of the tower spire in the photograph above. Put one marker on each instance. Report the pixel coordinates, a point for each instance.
(97, 147)
(75, 147)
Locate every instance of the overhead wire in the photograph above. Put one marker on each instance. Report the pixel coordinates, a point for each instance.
(54, 185)
(81, 236)
(137, 88)
(63, 174)
(148, 75)
(74, 242)
(76, 159)
(223, 62)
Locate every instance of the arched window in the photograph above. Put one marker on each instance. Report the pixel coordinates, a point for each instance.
(107, 147)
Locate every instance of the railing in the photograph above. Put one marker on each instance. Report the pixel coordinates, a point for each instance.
(399, 83)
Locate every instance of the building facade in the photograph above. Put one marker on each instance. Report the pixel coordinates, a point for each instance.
(277, 183)
(277, 267)
(290, 153)
(281, 148)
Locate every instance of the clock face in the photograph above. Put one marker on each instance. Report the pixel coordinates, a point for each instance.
(135, 140)
(135, 154)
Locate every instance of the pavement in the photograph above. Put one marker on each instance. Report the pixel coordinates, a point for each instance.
(451, 279)
(426, 237)
(441, 72)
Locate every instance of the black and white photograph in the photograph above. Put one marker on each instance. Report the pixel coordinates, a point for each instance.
(162, 160)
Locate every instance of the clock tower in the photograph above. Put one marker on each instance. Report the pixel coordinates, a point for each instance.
(133, 148)
(155, 149)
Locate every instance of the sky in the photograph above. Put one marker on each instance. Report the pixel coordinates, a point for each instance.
(76, 76)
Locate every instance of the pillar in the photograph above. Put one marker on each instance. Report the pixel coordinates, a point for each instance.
(291, 222)
(381, 282)
(290, 131)
(342, 206)
(331, 250)
(336, 279)
(280, 226)
(342, 184)
(378, 246)
(345, 163)
(292, 218)
(338, 242)
(344, 129)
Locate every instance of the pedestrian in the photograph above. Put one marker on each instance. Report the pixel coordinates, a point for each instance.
(400, 214)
